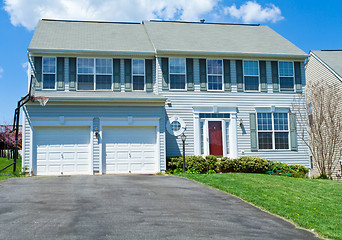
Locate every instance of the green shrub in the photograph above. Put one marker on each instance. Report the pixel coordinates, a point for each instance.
(192, 171)
(246, 164)
(211, 172)
(178, 170)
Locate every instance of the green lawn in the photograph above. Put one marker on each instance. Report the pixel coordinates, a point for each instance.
(8, 173)
(310, 203)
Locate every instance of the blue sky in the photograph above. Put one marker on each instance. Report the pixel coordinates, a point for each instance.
(309, 24)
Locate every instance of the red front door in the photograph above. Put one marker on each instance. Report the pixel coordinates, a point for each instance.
(215, 138)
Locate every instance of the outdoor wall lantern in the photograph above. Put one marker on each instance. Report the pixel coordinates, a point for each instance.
(96, 132)
(183, 137)
(240, 122)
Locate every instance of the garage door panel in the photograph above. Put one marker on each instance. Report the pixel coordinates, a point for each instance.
(127, 149)
(62, 150)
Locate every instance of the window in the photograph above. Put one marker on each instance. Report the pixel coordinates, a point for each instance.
(94, 74)
(104, 70)
(85, 72)
(175, 125)
(214, 69)
(49, 73)
(286, 76)
(177, 73)
(251, 75)
(273, 130)
(138, 66)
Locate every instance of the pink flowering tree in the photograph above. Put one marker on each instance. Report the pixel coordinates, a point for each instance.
(8, 137)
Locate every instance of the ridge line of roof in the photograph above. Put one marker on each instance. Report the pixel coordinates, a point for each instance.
(239, 24)
(85, 21)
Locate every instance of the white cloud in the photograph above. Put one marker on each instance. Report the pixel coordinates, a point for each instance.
(27, 13)
(1, 71)
(253, 12)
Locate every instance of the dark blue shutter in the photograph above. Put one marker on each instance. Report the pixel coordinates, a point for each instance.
(128, 75)
(190, 74)
(72, 74)
(116, 75)
(293, 132)
(275, 77)
(149, 78)
(203, 74)
(239, 76)
(227, 77)
(263, 79)
(253, 132)
(38, 72)
(165, 73)
(60, 73)
(298, 77)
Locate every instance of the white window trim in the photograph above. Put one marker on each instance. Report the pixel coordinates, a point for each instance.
(94, 74)
(55, 73)
(293, 75)
(144, 75)
(185, 77)
(273, 131)
(243, 73)
(222, 75)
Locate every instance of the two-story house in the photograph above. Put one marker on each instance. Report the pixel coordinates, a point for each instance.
(122, 94)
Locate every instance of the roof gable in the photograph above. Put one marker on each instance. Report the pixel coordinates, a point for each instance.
(331, 58)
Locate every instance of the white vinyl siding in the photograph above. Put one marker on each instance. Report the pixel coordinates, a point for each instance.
(182, 104)
(49, 73)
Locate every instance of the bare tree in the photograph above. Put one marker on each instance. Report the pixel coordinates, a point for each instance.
(319, 124)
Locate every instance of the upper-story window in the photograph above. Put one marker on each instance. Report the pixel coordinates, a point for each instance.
(286, 76)
(138, 66)
(104, 71)
(94, 74)
(215, 72)
(251, 75)
(49, 72)
(273, 131)
(177, 73)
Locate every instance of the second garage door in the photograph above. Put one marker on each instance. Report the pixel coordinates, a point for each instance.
(129, 149)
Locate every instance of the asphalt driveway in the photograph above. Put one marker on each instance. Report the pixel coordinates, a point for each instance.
(130, 207)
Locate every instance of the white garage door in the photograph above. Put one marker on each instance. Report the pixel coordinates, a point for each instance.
(62, 150)
(129, 149)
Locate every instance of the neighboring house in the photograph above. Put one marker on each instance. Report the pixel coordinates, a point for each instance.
(326, 67)
(121, 94)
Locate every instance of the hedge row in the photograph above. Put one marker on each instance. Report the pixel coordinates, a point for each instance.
(212, 164)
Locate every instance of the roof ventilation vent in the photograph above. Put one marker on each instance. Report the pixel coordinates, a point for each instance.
(202, 20)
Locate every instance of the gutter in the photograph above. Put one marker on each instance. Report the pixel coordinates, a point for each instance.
(230, 54)
(87, 52)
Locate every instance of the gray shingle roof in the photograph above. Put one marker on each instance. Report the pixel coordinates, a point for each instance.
(332, 58)
(90, 36)
(161, 37)
(219, 38)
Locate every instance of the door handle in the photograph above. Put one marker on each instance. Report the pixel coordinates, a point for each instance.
(129, 154)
